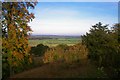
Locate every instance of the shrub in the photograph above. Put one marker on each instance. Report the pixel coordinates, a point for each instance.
(39, 50)
(103, 46)
(65, 53)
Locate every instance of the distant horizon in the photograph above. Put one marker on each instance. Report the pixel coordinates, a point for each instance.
(52, 35)
(71, 18)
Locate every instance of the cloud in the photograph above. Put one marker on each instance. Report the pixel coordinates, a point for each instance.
(69, 20)
(64, 26)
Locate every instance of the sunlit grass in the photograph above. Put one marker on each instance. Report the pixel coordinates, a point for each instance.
(55, 42)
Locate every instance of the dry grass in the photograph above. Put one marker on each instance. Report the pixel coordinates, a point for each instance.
(62, 70)
(66, 53)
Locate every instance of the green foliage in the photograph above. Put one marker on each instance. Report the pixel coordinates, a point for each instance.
(15, 49)
(101, 73)
(62, 46)
(103, 46)
(65, 53)
(39, 50)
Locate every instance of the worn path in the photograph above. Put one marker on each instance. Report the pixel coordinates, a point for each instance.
(61, 70)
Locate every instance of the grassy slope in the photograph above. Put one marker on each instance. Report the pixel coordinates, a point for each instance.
(61, 70)
(85, 69)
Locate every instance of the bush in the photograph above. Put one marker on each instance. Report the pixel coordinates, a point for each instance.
(39, 50)
(16, 67)
(65, 53)
(103, 46)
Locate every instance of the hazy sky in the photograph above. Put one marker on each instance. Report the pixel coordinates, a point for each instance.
(72, 18)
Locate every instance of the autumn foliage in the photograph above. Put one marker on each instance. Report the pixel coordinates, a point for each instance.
(65, 53)
(15, 48)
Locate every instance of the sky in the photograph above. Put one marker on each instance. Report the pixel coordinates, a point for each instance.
(78, 0)
(71, 18)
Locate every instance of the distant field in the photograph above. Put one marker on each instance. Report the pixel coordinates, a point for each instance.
(55, 41)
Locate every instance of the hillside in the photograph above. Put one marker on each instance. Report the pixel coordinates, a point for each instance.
(61, 70)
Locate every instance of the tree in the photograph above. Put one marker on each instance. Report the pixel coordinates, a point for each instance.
(39, 50)
(95, 41)
(116, 36)
(116, 31)
(15, 48)
(103, 46)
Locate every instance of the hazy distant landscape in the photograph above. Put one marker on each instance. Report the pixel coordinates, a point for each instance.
(53, 40)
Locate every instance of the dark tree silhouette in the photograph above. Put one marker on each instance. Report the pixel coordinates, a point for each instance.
(103, 46)
(39, 50)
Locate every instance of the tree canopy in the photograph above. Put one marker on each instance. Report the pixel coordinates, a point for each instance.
(15, 28)
(103, 45)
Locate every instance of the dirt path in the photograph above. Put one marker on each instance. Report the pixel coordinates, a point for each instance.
(61, 70)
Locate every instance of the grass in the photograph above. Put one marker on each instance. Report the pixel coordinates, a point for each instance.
(55, 42)
(85, 69)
